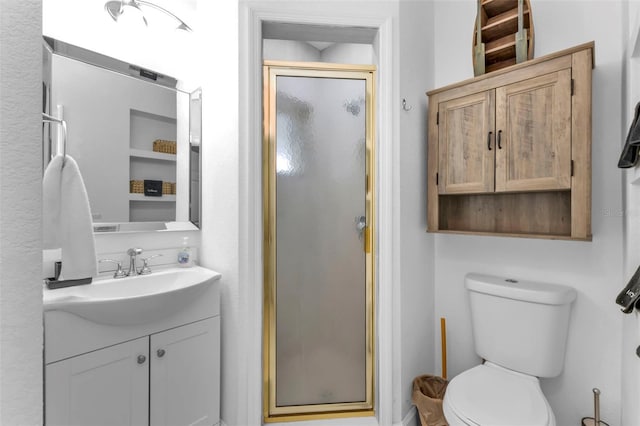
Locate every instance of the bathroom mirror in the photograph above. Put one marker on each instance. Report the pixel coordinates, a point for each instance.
(134, 134)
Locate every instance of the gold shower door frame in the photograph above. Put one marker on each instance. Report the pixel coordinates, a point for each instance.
(273, 69)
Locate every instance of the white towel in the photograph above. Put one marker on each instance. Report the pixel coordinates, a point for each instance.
(67, 218)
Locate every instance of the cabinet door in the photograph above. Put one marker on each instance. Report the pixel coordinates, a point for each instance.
(465, 133)
(533, 121)
(106, 387)
(185, 375)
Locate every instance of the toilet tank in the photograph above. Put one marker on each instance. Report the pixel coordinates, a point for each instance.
(520, 325)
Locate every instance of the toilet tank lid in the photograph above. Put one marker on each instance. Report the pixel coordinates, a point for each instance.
(528, 291)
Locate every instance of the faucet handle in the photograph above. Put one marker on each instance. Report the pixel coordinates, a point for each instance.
(119, 272)
(145, 267)
(134, 251)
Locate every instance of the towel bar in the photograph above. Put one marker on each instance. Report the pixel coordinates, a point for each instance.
(46, 118)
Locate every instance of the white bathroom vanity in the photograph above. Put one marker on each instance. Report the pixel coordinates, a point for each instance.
(141, 350)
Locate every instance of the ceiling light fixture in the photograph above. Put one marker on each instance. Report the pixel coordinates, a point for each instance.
(116, 9)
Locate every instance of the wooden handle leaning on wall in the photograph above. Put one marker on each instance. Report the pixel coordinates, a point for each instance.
(443, 336)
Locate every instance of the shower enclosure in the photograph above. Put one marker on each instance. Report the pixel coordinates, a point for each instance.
(318, 240)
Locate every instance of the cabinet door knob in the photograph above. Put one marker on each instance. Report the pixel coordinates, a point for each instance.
(160, 353)
(489, 140)
(499, 139)
(141, 359)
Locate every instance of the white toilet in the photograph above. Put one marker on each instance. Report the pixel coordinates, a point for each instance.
(520, 330)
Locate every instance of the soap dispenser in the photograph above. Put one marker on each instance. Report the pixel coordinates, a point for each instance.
(184, 255)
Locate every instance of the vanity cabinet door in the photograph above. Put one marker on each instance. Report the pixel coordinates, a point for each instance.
(105, 387)
(466, 144)
(185, 375)
(533, 121)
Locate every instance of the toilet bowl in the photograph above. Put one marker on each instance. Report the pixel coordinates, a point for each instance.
(520, 328)
(491, 395)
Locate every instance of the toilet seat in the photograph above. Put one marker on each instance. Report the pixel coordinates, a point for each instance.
(492, 395)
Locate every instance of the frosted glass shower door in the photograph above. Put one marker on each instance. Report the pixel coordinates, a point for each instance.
(318, 270)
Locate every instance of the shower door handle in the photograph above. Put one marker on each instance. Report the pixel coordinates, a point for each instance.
(361, 225)
(363, 230)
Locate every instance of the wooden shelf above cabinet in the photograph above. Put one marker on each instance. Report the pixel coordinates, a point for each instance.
(509, 153)
(546, 214)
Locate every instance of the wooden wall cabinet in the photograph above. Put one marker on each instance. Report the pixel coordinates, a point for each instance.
(509, 153)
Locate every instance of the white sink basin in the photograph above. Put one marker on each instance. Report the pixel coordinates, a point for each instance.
(132, 300)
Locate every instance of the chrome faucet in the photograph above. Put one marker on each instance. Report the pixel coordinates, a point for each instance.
(145, 269)
(133, 253)
(119, 273)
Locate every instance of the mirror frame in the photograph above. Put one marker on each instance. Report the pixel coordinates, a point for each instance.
(56, 47)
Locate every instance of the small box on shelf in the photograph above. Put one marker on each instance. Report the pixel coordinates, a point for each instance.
(153, 188)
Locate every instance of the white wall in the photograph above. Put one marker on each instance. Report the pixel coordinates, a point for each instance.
(221, 179)
(289, 50)
(417, 266)
(348, 53)
(631, 333)
(593, 268)
(20, 213)
(300, 51)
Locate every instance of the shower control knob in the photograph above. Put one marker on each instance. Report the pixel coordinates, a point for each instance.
(638, 351)
(141, 359)
(160, 353)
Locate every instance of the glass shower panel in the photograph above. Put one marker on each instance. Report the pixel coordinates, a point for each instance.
(320, 259)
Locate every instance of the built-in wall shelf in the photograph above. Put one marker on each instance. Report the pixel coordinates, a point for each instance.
(152, 155)
(142, 197)
(147, 164)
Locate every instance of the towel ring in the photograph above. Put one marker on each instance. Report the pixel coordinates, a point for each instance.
(46, 118)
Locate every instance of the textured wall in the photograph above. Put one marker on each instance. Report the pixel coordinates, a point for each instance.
(20, 213)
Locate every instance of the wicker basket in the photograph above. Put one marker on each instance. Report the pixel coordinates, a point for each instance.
(166, 188)
(173, 188)
(167, 147)
(136, 186)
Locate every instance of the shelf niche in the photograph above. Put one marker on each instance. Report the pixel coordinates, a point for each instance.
(144, 163)
(531, 214)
